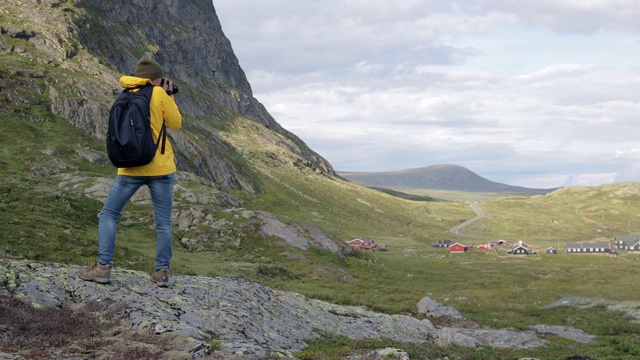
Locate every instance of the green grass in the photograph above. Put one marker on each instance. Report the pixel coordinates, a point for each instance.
(568, 215)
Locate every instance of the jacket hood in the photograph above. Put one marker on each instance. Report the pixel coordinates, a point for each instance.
(129, 82)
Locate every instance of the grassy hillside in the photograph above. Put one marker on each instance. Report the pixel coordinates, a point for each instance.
(49, 208)
(574, 214)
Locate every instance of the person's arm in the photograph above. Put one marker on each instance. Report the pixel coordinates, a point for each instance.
(170, 112)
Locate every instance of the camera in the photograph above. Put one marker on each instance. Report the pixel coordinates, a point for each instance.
(173, 91)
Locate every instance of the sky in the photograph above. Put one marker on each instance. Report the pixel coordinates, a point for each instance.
(537, 93)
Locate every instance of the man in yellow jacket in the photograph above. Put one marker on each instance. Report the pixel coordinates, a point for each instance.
(157, 175)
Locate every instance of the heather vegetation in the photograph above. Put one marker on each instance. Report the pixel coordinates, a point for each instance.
(47, 333)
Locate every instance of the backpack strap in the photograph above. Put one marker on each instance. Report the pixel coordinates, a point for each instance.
(136, 88)
(146, 90)
(163, 136)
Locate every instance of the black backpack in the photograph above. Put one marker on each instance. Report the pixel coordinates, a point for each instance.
(129, 137)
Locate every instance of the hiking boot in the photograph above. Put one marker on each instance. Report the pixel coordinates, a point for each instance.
(161, 277)
(97, 272)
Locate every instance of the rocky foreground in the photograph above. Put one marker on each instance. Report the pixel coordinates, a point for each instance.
(243, 318)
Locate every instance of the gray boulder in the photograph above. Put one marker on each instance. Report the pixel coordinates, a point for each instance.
(433, 309)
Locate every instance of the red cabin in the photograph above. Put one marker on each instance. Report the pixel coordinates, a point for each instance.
(362, 244)
(459, 248)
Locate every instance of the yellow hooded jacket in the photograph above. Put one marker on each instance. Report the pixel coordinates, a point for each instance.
(163, 107)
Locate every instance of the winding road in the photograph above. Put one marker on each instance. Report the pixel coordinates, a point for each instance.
(480, 215)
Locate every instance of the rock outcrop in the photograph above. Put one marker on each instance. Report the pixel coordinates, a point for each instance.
(246, 318)
(630, 308)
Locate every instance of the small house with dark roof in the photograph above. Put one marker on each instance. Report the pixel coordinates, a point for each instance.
(441, 244)
(551, 250)
(521, 249)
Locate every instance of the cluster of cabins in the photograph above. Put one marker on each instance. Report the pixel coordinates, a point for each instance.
(629, 243)
(518, 248)
(460, 247)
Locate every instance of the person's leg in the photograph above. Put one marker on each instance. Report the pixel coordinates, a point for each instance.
(161, 188)
(122, 189)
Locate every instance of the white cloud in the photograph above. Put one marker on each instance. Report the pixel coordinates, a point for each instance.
(529, 92)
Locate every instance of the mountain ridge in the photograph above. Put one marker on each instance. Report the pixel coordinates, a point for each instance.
(436, 177)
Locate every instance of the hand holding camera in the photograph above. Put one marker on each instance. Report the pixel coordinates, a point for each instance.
(169, 86)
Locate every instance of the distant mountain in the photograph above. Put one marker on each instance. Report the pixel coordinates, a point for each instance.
(436, 177)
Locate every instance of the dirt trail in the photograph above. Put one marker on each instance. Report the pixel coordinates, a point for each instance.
(480, 215)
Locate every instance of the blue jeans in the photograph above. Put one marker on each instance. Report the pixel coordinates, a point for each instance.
(122, 189)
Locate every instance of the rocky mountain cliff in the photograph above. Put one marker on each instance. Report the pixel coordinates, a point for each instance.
(81, 48)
